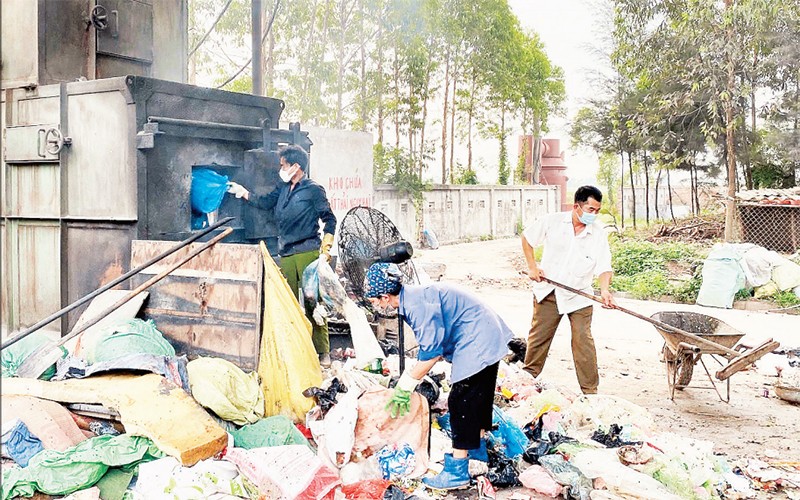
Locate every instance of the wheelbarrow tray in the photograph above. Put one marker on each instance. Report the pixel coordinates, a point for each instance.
(704, 326)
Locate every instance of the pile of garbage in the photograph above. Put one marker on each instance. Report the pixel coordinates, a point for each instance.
(731, 267)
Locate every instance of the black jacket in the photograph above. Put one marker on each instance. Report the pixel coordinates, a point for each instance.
(298, 212)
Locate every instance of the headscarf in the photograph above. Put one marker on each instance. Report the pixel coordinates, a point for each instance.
(383, 278)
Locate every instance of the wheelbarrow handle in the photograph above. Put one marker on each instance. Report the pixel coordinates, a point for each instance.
(659, 324)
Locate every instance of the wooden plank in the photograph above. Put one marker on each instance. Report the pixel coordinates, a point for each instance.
(100, 304)
(149, 405)
(746, 359)
(211, 306)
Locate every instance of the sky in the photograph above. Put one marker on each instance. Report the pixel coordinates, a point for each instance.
(571, 31)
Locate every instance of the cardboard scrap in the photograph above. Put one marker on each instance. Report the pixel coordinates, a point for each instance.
(149, 405)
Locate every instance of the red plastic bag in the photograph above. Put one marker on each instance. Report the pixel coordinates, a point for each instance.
(366, 490)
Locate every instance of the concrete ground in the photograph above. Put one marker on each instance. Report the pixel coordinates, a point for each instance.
(628, 348)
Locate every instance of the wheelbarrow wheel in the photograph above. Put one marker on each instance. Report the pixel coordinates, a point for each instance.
(679, 367)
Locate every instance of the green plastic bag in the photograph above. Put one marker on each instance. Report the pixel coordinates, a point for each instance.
(273, 431)
(63, 472)
(130, 336)
(13, 356)
(225, 389)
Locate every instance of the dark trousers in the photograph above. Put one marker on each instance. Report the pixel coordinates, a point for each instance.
(471, 402)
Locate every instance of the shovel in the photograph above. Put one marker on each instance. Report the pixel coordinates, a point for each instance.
(737, 360)
(46, 355)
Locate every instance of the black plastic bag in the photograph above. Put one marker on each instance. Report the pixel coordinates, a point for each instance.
(612, 439)
(518, 348)
(325, 398)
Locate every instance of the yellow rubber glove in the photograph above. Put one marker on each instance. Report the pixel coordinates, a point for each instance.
(325, 247)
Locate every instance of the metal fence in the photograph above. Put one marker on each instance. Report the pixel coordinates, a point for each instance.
(774, 227)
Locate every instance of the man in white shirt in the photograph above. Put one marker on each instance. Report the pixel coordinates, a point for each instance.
(575, 250)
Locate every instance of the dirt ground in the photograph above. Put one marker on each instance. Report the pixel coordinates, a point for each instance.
(752, 425)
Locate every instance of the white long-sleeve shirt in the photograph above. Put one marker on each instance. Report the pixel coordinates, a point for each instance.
(568, 258)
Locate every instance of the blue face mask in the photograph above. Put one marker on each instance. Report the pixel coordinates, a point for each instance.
(587, 218)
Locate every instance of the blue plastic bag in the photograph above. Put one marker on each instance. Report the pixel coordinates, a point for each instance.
(397, 460)
(208, 190)
(507, 437)
(20, 444)
(311, 283)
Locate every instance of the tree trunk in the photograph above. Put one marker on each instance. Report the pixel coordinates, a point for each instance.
(658, 184)
(307, 62)
(397, 101)
(536, 150)
(323, 43)
(622, 190)
(424, 118)
(729, 131)
(453, 122)
(380, 83)
(470, 113)
(364, 108)
(692, 188)
(646, 190)
(444, 116)
(669, 190)
(696, 188)
(633, 189)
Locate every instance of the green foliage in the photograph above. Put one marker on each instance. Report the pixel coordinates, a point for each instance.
(786, 298)
(504, 168)
(642, 269)
(464, 176)
(394, 166)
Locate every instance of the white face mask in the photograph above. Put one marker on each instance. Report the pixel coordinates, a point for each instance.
(285, 175)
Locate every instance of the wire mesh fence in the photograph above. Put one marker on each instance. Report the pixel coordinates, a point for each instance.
(772, 226)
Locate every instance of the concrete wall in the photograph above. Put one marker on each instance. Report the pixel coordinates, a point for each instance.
(459, 213)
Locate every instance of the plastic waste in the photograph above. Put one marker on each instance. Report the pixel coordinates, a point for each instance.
(396, 460)
(507, 435)
(518, 348)
(272, 431)
(365, 468)
(429, 390)
(619, 479)
(539, 480)
(103, 428)
(326, 398)
(19, 443)
(126, 337)
(722, 278)
(612, 438)
(285, 342)
(13, 356)
(61, 473)
(580, 487)
(291, 471)
(310, 283)
(208, 190)
(339, 430)
(165, 478)
(223, 388)
(502, 471)
(369, 489)
(542, 447)
(431, 241)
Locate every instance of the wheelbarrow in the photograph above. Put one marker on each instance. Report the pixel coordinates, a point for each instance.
(687, 337)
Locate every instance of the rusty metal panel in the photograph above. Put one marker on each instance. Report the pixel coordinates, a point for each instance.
(130, 30)
(109, 246)
(211, 306)
(101, 163)
(32, 191)
(19, 25)
(65, 42)
(33, 271)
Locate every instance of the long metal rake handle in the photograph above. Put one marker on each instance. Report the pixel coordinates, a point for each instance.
(663, 326)
(112, 284)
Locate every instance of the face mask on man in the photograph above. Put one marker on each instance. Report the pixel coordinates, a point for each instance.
(587, 218)
(285, 175)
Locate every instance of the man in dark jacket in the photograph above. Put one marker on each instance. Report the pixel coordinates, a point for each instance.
(299, 204)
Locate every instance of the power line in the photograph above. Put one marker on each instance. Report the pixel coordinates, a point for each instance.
(264, 37)
(219, 16)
